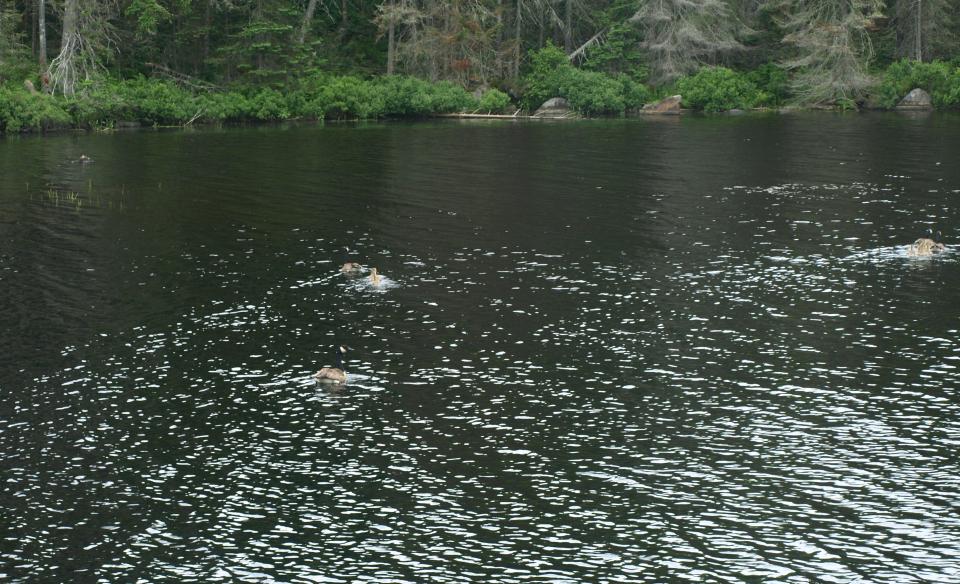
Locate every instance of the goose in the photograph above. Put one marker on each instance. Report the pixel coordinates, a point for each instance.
(333, 374)
(374, 277)
(926, 245)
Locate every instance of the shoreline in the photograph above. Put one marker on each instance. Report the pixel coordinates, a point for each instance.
(128, 126)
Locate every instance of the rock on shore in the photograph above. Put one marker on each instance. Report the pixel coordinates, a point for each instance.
(555, 107)
(667, 105)
(917, 99)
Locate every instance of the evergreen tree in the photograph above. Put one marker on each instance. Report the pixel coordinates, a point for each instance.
(923, 29)
(681, 35)
(832, 45)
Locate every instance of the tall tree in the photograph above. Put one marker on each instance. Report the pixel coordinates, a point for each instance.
(681, 35)
(923, 29)
(42, 33)
(307, 19)
(69, 63)
(391, 16)
(392, 38)
(87, 38)
(517, 38)
(454, 40)
(833, 47)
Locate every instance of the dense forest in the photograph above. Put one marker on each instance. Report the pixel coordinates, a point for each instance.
(97, 62)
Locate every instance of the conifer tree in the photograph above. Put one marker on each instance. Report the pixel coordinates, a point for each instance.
(681, 35)
(923, 29)
(832, 44)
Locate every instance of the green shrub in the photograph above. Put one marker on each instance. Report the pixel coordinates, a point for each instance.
(714, 89)
(149, 101)
(635, 94)
(21, 111)
(231, 106)
(267, 105)
(773, 82)
(939, 78)
(153, 101)
(547, 67)
(589, 92)
(494, 101)
(351, 97)
(449, 97)
(404, 96)
(306, 104)
(100, 106)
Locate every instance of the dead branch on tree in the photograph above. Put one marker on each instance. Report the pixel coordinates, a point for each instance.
(596, 39)
(181, 78)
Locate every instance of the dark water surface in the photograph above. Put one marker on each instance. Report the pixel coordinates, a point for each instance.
(683, 350)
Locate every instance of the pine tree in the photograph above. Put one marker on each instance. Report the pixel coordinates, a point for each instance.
(923, 29)
(681, 35)
(832, 46)
(12, 47)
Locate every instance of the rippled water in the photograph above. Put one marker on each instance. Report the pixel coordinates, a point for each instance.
(629, 351)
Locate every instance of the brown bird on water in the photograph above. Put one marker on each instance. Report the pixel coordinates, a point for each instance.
(926, 246)
(333, 374)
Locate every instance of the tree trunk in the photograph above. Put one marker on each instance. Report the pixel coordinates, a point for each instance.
(540, 32)
(919, 30)
(391, 40)
(31, 13)
(63, 70)
(258, 16)
(344, 17)
(568, 28)
(307, 19)
(42, 33)
(71, 18)
(518, 41)
(207, 23)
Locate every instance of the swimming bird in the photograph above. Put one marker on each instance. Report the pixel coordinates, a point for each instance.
(374, 277)
(84, 159)
(350, 268)
(333, 374)
(926, 245)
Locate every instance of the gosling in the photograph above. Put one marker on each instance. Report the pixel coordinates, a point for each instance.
(374, 277)
(333, 374)
(350, 268)
(926, 246)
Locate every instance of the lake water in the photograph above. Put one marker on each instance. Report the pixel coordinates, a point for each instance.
(657, 350)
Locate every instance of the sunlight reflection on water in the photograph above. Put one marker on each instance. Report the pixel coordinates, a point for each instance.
(692, 382)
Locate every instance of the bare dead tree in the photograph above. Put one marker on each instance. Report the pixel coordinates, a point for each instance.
(681, 35)
(307, 18)
(924, 28)
(397, 19)
(833, 47)
(86, 40)
(66, 66)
